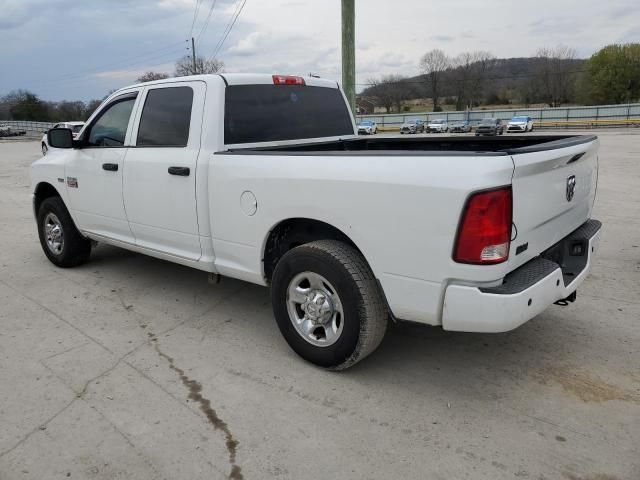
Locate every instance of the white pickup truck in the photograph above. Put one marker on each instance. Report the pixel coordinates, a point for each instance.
(263, 178)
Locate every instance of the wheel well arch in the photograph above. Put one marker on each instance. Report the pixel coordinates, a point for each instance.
(43, 191)
(293, 232)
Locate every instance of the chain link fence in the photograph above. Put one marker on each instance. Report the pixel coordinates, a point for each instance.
(31, 128)
(627, 115)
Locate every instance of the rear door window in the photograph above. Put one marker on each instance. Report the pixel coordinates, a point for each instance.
(268, 113)
(166, 118)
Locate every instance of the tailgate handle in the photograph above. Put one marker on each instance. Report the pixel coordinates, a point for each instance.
(180, 171)
(577, 157)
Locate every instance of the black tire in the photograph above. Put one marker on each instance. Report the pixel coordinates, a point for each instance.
(44, 149)
(75, 248)
(365, 313)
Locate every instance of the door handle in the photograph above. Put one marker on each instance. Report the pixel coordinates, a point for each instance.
(110, 167)
(181, 171)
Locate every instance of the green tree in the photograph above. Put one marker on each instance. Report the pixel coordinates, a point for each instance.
(91, 107)
(27, 106)
(66, 111)
(613, 74)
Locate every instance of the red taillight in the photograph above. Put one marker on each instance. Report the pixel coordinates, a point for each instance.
(485, 230)
(288, 80)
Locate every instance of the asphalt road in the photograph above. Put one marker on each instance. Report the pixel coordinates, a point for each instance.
(134, 368)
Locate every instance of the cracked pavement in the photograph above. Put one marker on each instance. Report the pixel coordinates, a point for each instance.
(130, 367)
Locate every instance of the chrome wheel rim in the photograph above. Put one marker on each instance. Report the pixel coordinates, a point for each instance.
(53, 233)
(315, 309)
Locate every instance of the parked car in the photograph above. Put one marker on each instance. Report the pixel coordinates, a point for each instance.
(204, 171)
(520, 124)
(490, 126)
(437, 126)
(367, 127)
(75, 128)
(8, 131)
(460, 127)
(412, 126)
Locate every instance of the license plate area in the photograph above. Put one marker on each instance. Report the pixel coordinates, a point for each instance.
(572, 252)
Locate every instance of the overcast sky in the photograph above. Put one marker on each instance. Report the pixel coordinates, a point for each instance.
(81, 49)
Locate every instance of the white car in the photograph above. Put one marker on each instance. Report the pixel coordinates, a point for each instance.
(520, 124)
(476, 236)
(437, 126)
(75, 128)
(367, 127)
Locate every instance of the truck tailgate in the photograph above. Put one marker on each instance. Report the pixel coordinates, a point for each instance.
(553, 194)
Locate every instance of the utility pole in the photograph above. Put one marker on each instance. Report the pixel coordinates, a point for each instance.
(349, 52)
(193, 56)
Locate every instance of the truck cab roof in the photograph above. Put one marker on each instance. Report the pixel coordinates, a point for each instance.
(240, 79)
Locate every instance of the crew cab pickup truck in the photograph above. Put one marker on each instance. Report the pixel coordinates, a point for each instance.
(263, 178)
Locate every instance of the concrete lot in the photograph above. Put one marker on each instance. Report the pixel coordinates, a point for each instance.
(134, 368)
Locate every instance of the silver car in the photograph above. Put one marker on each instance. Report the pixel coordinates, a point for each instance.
(412, 126)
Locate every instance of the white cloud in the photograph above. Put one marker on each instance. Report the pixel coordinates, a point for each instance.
(285, 36)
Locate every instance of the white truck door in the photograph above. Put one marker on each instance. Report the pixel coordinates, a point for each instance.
(160, 169)
(94, 171)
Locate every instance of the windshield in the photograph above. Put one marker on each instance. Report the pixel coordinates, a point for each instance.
(366, 123)
(520, 119)
(488, 121)
(437, 122)
(411, 122)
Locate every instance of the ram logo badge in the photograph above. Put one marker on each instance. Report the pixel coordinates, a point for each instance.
(72, 182)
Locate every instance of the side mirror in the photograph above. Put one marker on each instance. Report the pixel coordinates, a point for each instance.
(60, 138)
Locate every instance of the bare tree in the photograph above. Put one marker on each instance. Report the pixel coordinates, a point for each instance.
(381, 92)
(433, 64)
(557, 79)
(462, 77)
(390, 90)
(151, 76)
(471, 70)
(185, 67)
(483, 65)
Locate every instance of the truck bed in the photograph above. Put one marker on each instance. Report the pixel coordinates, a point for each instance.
(442, 146)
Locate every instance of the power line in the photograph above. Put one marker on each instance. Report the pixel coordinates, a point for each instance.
(195, 16)
(83, 77)
(228, 30)
(206, 22)
(122, 62)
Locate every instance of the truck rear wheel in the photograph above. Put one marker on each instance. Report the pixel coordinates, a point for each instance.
(327, 304)
(60, 239)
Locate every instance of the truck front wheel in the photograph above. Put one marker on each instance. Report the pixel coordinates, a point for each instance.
(60, 239)
(327, 304)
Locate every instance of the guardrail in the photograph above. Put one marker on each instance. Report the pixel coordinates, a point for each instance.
(626, 115)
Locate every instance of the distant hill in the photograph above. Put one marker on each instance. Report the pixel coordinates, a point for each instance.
(508, 80)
